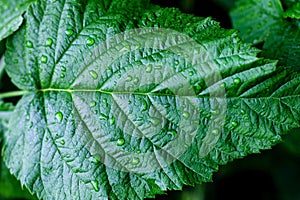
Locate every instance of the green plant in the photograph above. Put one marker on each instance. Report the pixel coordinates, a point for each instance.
(125, 99)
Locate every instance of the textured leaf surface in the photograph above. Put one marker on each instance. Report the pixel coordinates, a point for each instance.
(11, 16)
(265, 21)
(114, 112)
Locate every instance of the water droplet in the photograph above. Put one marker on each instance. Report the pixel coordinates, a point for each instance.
(29, 44)
(167, 105)
(136, 80)
(237, 81)
(93, 104)
(186, 115)
(112, 120)
(138, 151)
(103, 117)
(120, 141)
(172, 133)
(44, 59)
(93, 74)
(27, 117)
(126, 48)
(176, 62)
(23, 80)
(69, 32)
(234, 124)
(95, 185)
(90, 41)
(62, 76)
(215, 132)
(59, 116)
(155, 121)
(270, 4)
(198, 87)
(63, 69)
(95, 112)
(243, 112)
(191, 73)
(145, 106)
(49, 42)
(129, 78)
(105, 102)
(215, 111)
(62, 142)
(96, 159)
(135, 161)
(149, 69)
(223, 85)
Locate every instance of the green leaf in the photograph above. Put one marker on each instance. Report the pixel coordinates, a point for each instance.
(294, 11)
(117, 109)
(11, 16)
(9, 186)
(264, 21)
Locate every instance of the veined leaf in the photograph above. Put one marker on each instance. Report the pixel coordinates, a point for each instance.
(264, 21)
(11, 16)
(126, 107)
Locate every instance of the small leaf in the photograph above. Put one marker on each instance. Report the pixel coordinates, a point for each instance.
(11, 16)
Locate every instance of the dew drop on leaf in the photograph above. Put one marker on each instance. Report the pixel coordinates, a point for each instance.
(243, 112)
(135, 161)
(215, 111)
(44, 59)
(105, 102)
(234, 124)
(158, 67)
(62, 142)
(186, 115)
(93, 103)
(120, 142)
(63, 69)
(59, 116)
(95, 185)
(167, 105)
(90, 41)
(62, 76)
(215, 132)
(112, 120)
(223, 85)
(144, 106)
(96, 159)
(129, 78)
(176, 62)
(136, 81)
(49, 42)
(172, 133)
(103, 117)
(149, 69)
(23, 80)
(69, 32)
(191, 73)
(237, 81)
(29, 44)
(93, 74)
(155, 121)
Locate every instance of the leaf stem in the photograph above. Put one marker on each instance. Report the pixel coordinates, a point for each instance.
(13, 94)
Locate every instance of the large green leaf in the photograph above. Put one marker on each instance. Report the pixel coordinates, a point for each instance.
(11, 15)
(116, 109)
(265, 21)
